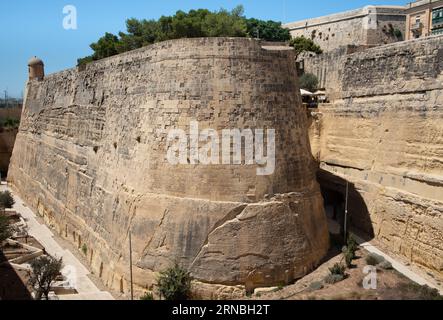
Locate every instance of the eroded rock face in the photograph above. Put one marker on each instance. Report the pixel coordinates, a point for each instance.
(91, 153)
(385, 136)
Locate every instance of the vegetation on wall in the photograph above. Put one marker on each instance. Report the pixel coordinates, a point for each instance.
(193, 24)
(302, 44)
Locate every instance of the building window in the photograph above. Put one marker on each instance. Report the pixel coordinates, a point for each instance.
(437, 16)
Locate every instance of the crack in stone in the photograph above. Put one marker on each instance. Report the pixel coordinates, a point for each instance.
(232, 215)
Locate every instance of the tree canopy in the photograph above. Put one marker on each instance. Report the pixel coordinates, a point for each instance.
(193, 24)
(302, 44)
(309, 82)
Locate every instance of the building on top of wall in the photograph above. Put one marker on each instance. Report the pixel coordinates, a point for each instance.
(369, 26)
(424, 18)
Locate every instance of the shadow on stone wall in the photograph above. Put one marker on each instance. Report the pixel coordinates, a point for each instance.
(11, 285)
(333, 189)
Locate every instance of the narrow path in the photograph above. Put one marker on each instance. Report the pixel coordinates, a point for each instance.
(86, 289)
(334, 227)
(400, 267)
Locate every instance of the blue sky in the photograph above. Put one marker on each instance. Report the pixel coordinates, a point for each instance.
(29, 27)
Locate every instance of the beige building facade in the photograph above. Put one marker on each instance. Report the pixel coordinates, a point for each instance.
(424, 18)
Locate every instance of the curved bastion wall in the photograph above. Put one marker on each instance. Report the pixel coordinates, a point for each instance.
(91, 158)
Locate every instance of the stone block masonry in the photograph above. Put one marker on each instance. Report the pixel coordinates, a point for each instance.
(90, 158)
(383, 132)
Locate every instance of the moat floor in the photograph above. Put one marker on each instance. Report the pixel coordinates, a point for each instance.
(390, 284)
(86, 289)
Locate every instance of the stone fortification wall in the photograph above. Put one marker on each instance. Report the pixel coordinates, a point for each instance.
(384, 134)
(91, 153)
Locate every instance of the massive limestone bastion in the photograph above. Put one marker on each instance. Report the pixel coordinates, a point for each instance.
(90, 158)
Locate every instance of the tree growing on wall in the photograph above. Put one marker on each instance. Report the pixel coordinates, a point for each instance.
(309, 82)
(302, 44)
(44, 272)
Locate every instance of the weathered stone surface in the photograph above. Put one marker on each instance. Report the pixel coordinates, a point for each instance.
(384, 134)
(91, 152)
(367, 26)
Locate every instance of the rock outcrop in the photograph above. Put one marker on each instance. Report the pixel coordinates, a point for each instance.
(90, 158)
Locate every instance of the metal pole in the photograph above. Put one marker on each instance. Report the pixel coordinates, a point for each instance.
(130, 265)
(346, 212)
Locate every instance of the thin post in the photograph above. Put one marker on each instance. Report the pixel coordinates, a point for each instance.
(130, 265)
(346, 212)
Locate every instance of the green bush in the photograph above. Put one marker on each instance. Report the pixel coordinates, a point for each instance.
(334, 278)
(174, 284)
(338, 269)
(349, 256)
(352, 245)
(374, 259)
(309, 82)
(424, 292)
(386, 265)
(6, 200)
(317, 285)
(84, 249)
(349, 251)
(148, 296)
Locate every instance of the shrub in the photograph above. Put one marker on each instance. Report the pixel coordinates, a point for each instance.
(349, 256)
(338, 269)
(349, 251)
(309, 82)
(352, 245)
(174, 284)
(386, 265)
(317, 285)
(84, 249)
(334, 278)
(423, 292)
(374, 259)
(6, 200)
(148, 296)
(5, 228)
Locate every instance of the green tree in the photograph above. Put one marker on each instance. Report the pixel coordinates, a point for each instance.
(302, 44)
(174, 284)
(44, 272)
(192, 24)
(6, 200)
(309, 82)
(267, 30)
(5, 228)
